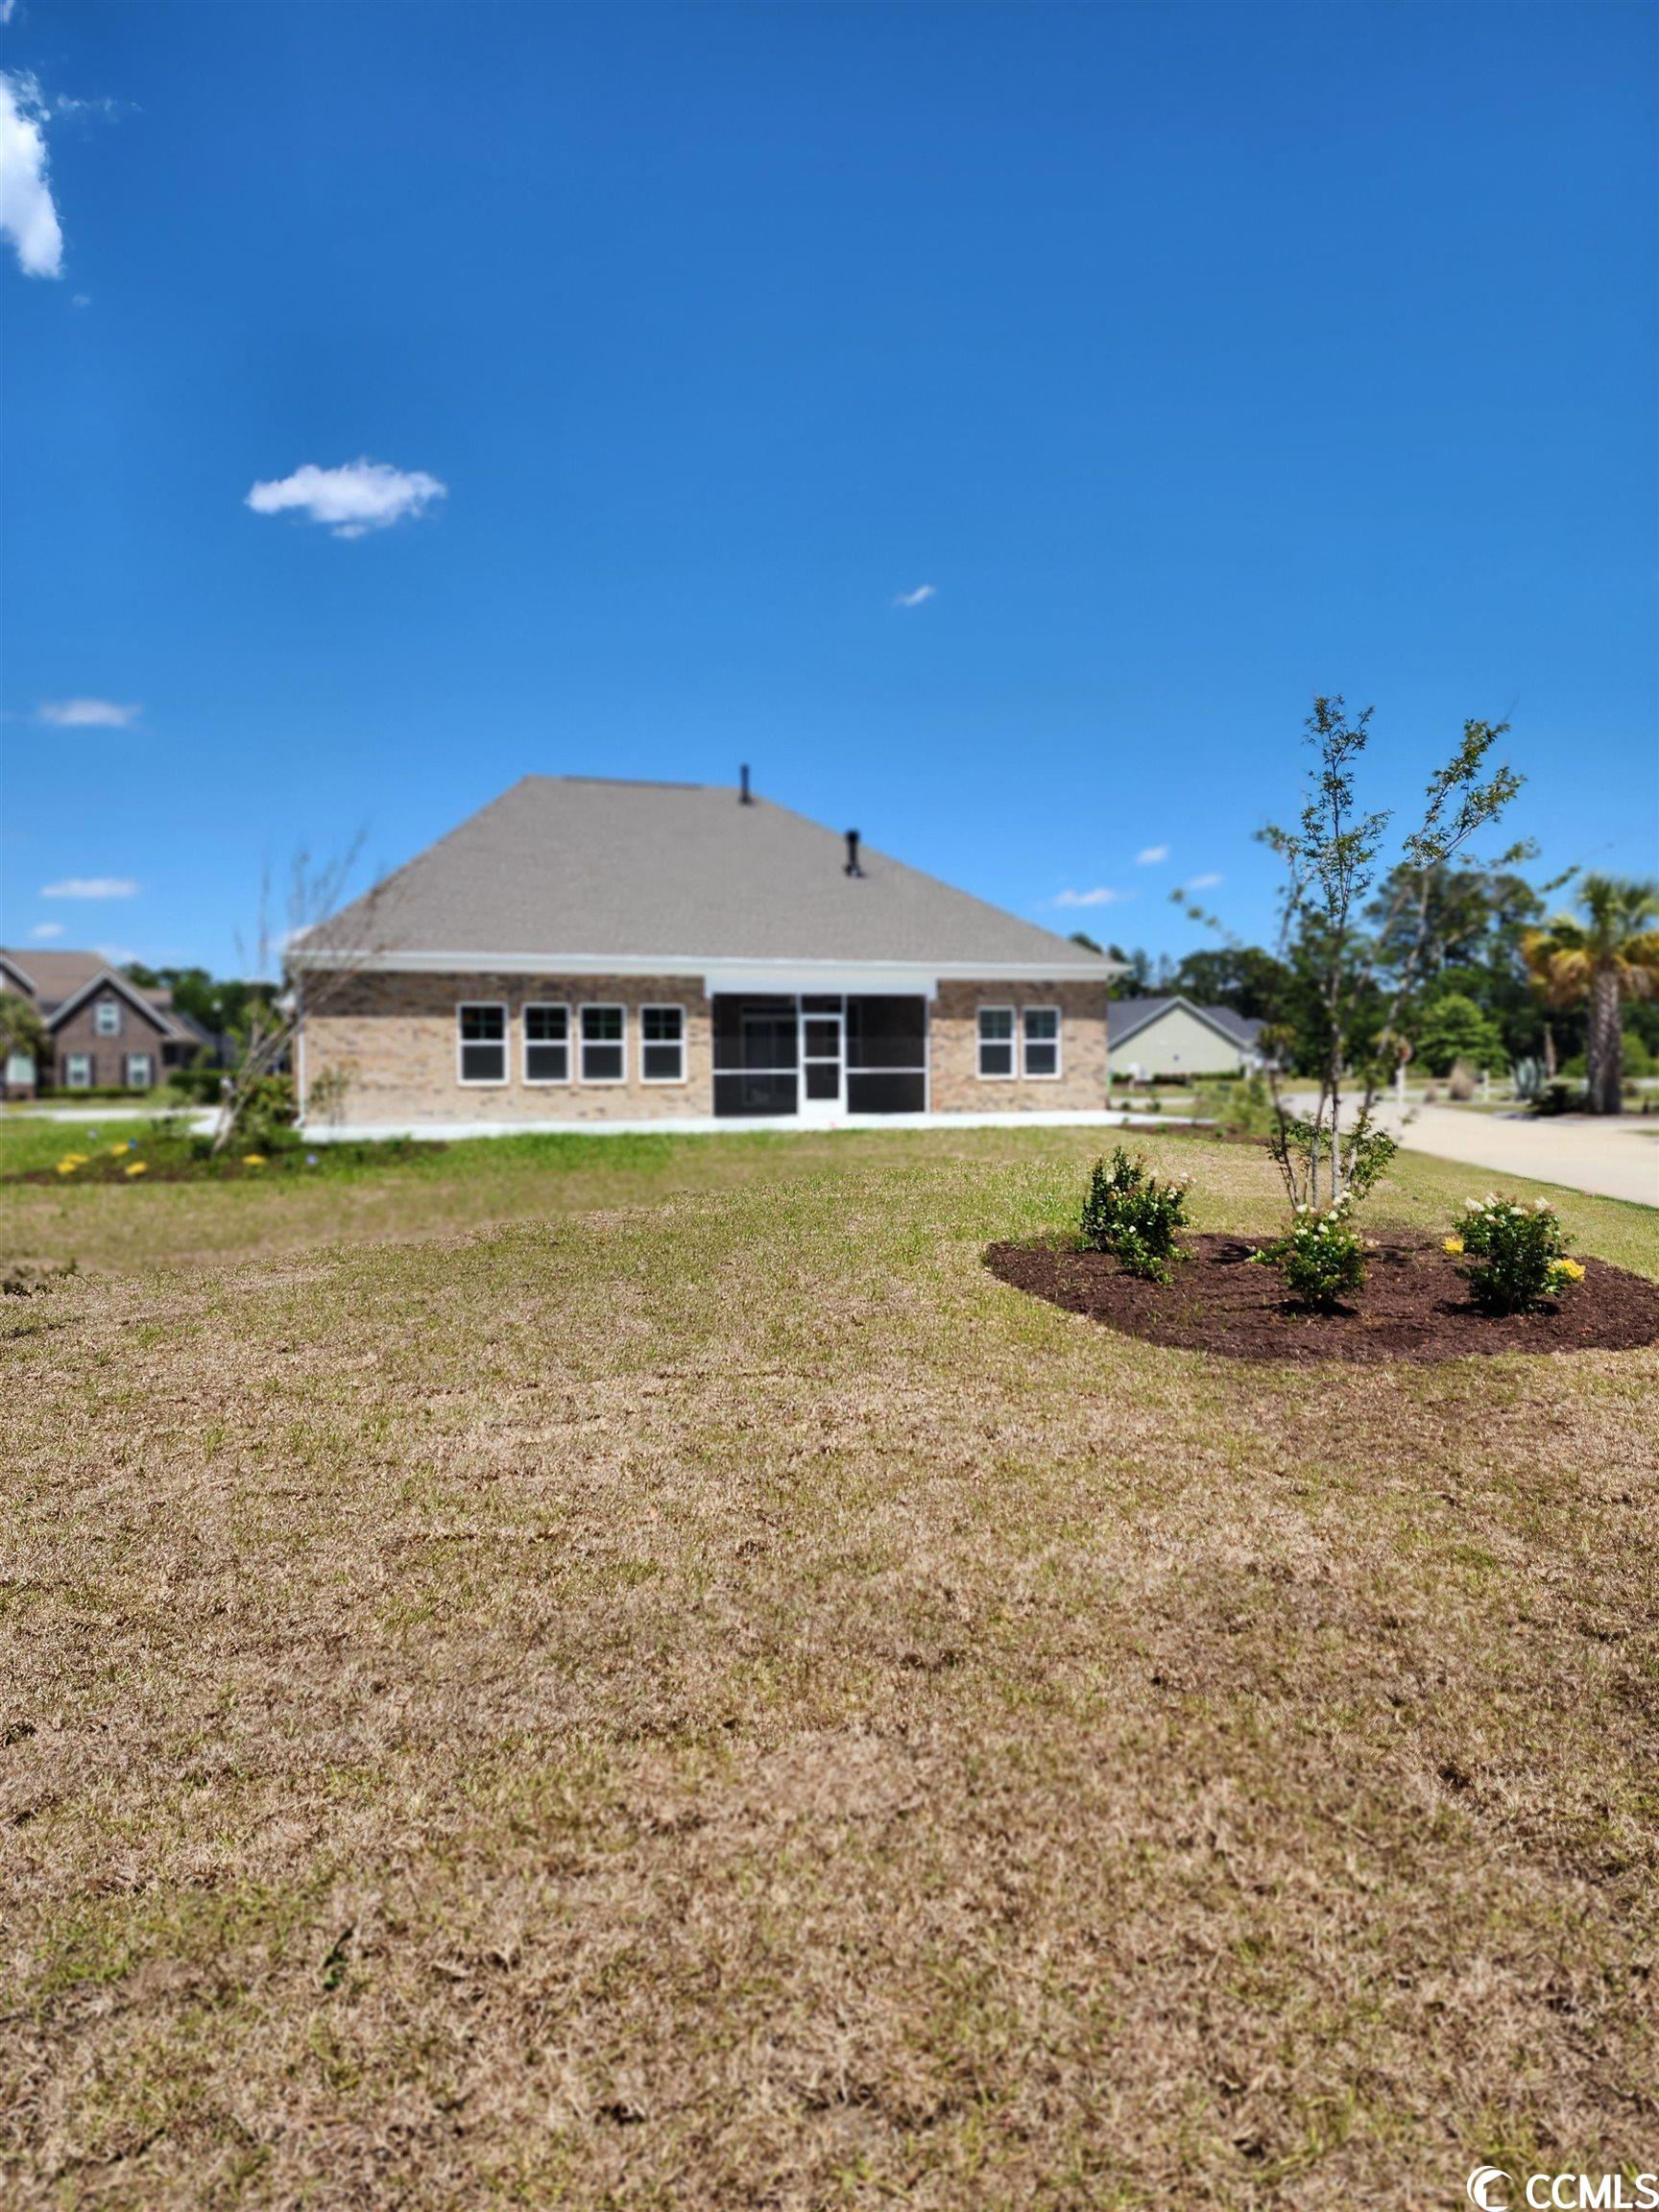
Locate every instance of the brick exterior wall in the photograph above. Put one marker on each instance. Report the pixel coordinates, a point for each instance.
(398, 1036)
(954, 1048)
(139, 1033)
(397, 1033)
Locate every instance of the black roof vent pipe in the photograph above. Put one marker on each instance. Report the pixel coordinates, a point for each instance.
(745, 797)
(853, 867)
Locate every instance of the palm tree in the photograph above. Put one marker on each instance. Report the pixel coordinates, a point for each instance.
(22, 1036)
(1608, 957)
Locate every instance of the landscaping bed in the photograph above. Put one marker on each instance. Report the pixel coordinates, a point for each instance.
(1415, 1305)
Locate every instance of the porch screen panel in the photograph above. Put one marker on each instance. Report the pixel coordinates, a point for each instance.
(886, 1055)
(755, 1055)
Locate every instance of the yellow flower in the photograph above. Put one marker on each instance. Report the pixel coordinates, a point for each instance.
(139, 1168)
(67, 1167)
(252, 1159)
(1569, 1270)
(1452, 1244)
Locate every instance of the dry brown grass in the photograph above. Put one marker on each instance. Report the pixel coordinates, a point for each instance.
(723, 1703)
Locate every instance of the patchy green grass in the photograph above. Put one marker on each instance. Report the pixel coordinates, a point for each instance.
(699, 1695)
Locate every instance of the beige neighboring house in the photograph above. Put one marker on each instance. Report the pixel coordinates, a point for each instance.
(585, 951)
(107, 1033)
(1175, 1036)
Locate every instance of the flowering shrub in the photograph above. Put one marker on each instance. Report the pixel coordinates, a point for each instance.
(1131, 1215)
(1321, 1256)
(1517, 1254)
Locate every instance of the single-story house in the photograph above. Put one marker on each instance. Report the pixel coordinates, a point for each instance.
(587, 951)
(106, 1032)
(1174, 1036)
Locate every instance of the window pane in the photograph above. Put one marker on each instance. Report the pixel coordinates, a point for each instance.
(995, 1022)
(1042, 1024)
(483, 1025)
(1041, 1060)
(663, 1062)
(663, 1025)
(602, 1024)
(483, 1063)
(547, 1024)
(995, 1059)
(547, 1063)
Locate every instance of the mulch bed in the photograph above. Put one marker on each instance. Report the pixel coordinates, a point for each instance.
(1415, 1305)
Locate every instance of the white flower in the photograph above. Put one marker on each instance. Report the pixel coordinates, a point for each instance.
(1471, 1205)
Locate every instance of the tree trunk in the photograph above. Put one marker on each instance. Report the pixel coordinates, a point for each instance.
(1548, 1053)
(1606, 1048)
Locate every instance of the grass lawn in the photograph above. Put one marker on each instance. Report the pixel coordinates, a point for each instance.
(670, 1686)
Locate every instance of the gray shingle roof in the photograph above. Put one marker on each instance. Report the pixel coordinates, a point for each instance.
(588, 867)
(1130, 1015)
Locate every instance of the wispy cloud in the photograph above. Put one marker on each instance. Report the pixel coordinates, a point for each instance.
(87, 714)
(44, 931)
(91, 887)
(351, 500)
(28, 216)
(7, 8)
(1205, 882)
(1149, 855)
(1103, 895)
(917, 598)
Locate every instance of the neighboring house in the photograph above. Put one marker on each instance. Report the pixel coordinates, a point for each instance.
(588, 951)
(1172, 1036)
(106, 1033)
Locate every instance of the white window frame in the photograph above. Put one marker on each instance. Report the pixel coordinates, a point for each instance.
(107, 1017)
(491, 1007)
(981, 1041)
(600, 1006)
(72, 1061)
(148, 1060)
(665, 1007)
(1025, 1013)
(548, 1006)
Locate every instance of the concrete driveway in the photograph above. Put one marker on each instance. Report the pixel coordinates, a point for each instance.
(1615, 1157)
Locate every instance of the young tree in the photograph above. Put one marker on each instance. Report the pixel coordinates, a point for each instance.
(1450, 1027)
(22, 1034)
(1606, 958)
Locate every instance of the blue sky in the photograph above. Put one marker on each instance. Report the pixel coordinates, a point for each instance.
(1195, 359)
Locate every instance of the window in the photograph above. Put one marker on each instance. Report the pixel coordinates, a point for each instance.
(1042, 1027)
(107, 1017)
(78, 1072)
(482, 1040)
(547, 1044)
(996, 1040)
(663, 1044)
(139, 1070)
(604, 1051)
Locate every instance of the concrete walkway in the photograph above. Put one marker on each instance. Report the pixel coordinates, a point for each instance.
(1615, 1157)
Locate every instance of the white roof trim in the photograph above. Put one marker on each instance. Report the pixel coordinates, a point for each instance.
(875, 975)
(107, 977)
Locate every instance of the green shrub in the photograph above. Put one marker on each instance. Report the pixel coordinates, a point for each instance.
(1130, 1214)
(1321, 1256)
(265, 1114)
(1516, 1255)
(1240, 1106)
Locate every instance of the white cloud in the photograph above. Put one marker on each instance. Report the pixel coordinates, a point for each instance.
(116, 956)
(87, 714)
(42, 931)
(1101, 895)
(917, 598)
(91, 887)
(1149, 855)
(1205, 882)
(27, 215)
(7, 8)
(353, 500)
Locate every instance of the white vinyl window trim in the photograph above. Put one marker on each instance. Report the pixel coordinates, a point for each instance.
(649, 1043)
(78, 1072)
(107, 1017)
(1027, 1041)
(502, 1044)
(620, 1041)
(1010, 1044)
(140, 1071)
(568, 1041)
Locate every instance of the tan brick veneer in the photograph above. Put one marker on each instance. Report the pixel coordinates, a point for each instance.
(955, 1049)
(397, 1033)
